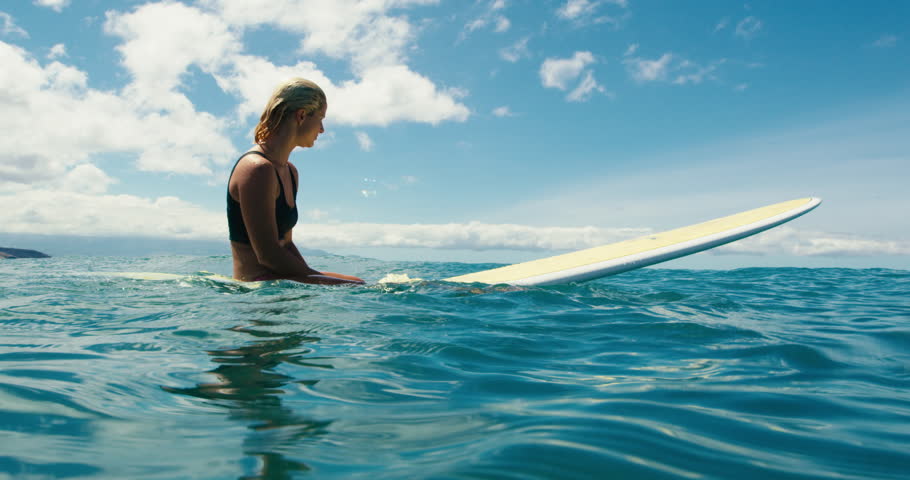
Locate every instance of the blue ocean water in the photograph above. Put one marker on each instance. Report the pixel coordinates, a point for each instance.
(752, 373)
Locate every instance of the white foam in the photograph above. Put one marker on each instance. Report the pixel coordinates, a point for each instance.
(398, 278)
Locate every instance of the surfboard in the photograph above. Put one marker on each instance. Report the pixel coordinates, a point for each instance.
(615, 258)
(157, 276)
(203, 276)
(171, 277)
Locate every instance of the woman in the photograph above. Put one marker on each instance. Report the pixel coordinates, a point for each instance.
(262, 189)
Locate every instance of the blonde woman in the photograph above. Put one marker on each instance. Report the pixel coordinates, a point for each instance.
(262, 189)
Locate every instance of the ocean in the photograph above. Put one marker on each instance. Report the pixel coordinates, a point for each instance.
(761, 373)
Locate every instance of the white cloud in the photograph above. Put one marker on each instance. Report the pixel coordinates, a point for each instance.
(475, 24)
(91, 122)
(22, 173)
(576, 8)
(694, 74)
(383, 96)
(8, 26)
(56, 5)
(516, 51)
(86, 178)
(364, 140)
(56, 212)
(253, 79)
(585, 89)
(384, 90)
(742, 87)
(790, 241)
(631, 50)
(584, 11)
(502, 24)
(684, 72)
(358, 30)
(317, 214)
(649, 70)
(885, 41)
(381, 42)
(326, 140)
(490, 17)
(471, 236)
(391, 94)
(722, 24)
(748, 27)
(482, 236)
(57, 51)
(503, 111)
(559, 72)
(161, 41)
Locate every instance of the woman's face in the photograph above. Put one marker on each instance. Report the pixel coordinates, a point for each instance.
(310, 126)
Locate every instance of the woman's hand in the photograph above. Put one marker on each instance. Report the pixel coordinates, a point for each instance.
(329, 278)
(348, 278)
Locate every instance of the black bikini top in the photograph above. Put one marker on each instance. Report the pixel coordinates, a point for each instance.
(285, 216)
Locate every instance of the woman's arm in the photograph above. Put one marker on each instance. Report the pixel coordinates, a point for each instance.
(257, 185)
(334, 278)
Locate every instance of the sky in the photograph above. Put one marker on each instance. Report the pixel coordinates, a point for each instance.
(484, 131)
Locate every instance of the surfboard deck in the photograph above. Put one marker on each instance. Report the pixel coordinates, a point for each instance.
(159, 277)
(615, 258)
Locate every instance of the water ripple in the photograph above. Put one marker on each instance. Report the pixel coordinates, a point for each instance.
(752, 373)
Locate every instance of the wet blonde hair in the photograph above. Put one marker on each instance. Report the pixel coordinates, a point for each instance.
(292, 95)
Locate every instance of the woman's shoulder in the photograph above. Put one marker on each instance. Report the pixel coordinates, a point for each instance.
(254, 160)
(254, 168)
(253, 157)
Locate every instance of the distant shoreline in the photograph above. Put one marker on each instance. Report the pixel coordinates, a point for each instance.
(9, 253)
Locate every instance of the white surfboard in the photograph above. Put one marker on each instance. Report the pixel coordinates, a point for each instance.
(641, 252)
(157, 276)
(170, 277)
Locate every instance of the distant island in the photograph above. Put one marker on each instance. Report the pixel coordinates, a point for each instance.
(21, 253)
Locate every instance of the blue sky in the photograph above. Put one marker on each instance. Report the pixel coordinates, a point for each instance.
(469, 130)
